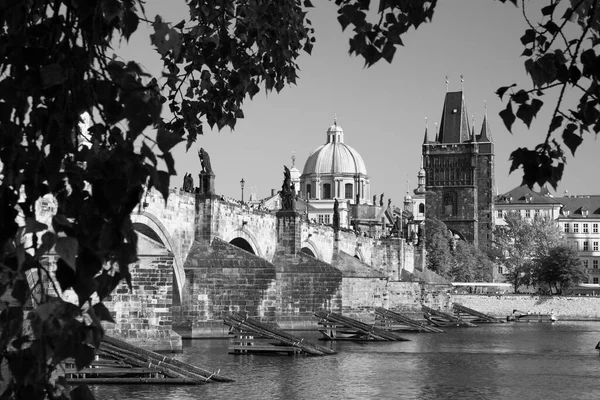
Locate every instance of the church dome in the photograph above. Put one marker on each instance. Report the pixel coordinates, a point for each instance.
(335, 157)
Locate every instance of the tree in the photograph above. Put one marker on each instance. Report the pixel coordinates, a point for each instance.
(561, 269)
(452, 258)
(521, 242)
(470, 264)
(438, 244)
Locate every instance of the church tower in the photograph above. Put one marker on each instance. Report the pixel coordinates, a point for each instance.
(459, 174)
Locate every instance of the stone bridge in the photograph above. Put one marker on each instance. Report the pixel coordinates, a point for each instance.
(200, 257)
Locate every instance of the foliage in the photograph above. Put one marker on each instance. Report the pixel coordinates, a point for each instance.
(471, 264)
(560, 52)
(56, 65)
(521, 242)
(438, 243)
(454, 259)
(561, 268)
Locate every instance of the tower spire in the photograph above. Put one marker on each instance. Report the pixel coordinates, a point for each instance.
(486, 134)
(426, 138)
(462, 82)
(447, 83)
(436, 132)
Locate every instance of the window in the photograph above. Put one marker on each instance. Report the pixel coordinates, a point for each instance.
(527, 213)
(499, 215)
(594, 246)
(348, 191)
(585, 246)
(421, 208)
(500, 270)
(595, 264)
(585, 228)
(308, 191)
(320, 218)
(449, 200)
(575, 245)
(566, 227)
(327, 219)
(585, 280)
(594, 228)
(595, 280)
(586, 264)
(537, 213)
(326, 191)
(575, 228)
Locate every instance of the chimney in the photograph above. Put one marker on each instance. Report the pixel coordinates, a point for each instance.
(273, 192)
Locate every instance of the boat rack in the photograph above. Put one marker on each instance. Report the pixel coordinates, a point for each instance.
(393, 321)
(248, 335)
(119, 362)
(440, 318)
(470, 315)
(337, 327)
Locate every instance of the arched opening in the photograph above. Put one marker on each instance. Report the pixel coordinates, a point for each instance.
(458, 234)
(421, 208)
(146, 230)
(242, 244)
(308, 251)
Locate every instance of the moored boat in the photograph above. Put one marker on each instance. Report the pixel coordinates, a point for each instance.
(520, 316)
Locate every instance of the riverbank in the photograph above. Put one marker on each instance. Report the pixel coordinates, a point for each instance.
(566, 308)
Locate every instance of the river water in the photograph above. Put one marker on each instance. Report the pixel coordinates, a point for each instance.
(499, 361)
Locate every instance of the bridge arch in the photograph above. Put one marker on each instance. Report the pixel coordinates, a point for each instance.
(157, 231)
(358, 254)
(248, 237)
(310, 248)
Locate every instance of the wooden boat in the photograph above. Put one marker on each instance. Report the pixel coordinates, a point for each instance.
(520, 316)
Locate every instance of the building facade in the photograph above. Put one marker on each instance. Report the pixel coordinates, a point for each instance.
(459, 174)
(578, 216)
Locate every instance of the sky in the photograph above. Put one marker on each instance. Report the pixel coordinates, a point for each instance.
(382, 109)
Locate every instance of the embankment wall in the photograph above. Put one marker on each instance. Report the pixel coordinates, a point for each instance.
(574, 308)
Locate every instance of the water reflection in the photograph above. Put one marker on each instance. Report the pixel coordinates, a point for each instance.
(505, 361)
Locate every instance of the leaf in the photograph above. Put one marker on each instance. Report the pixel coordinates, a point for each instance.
(500, 92)
(64, 275)
(60, 223)
(130, 23)
(520, 97)
(161, 182)
(166, 139)
(20, 290)
(84, 356)
(66, 248)
(507, 117)
(32, 225)
(570, 138)
(548, 10)
(556, 122)
(52, 75)
(102, 312)
(528, 37)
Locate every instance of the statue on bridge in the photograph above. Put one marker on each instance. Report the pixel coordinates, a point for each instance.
(205, 161)
(381, 200)
(374, 199)
(336, 215)
(287, 192)
(188, 183)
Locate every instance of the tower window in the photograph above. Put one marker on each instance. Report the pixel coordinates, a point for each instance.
(308, 191)
(421, 208)
(449, 200)
(348, 191)
(327, 191)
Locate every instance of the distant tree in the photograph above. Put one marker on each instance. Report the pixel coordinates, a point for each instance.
(438, 243)
(452, 258)
(520, 243)
(561, 269)
(470, 264)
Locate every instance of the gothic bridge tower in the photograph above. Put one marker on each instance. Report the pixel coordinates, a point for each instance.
(459, 167)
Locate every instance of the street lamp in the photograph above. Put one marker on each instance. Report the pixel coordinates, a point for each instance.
(242, 182)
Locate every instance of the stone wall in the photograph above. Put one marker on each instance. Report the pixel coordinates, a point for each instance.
(565, 307)
(143, 315)
(221, 279)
